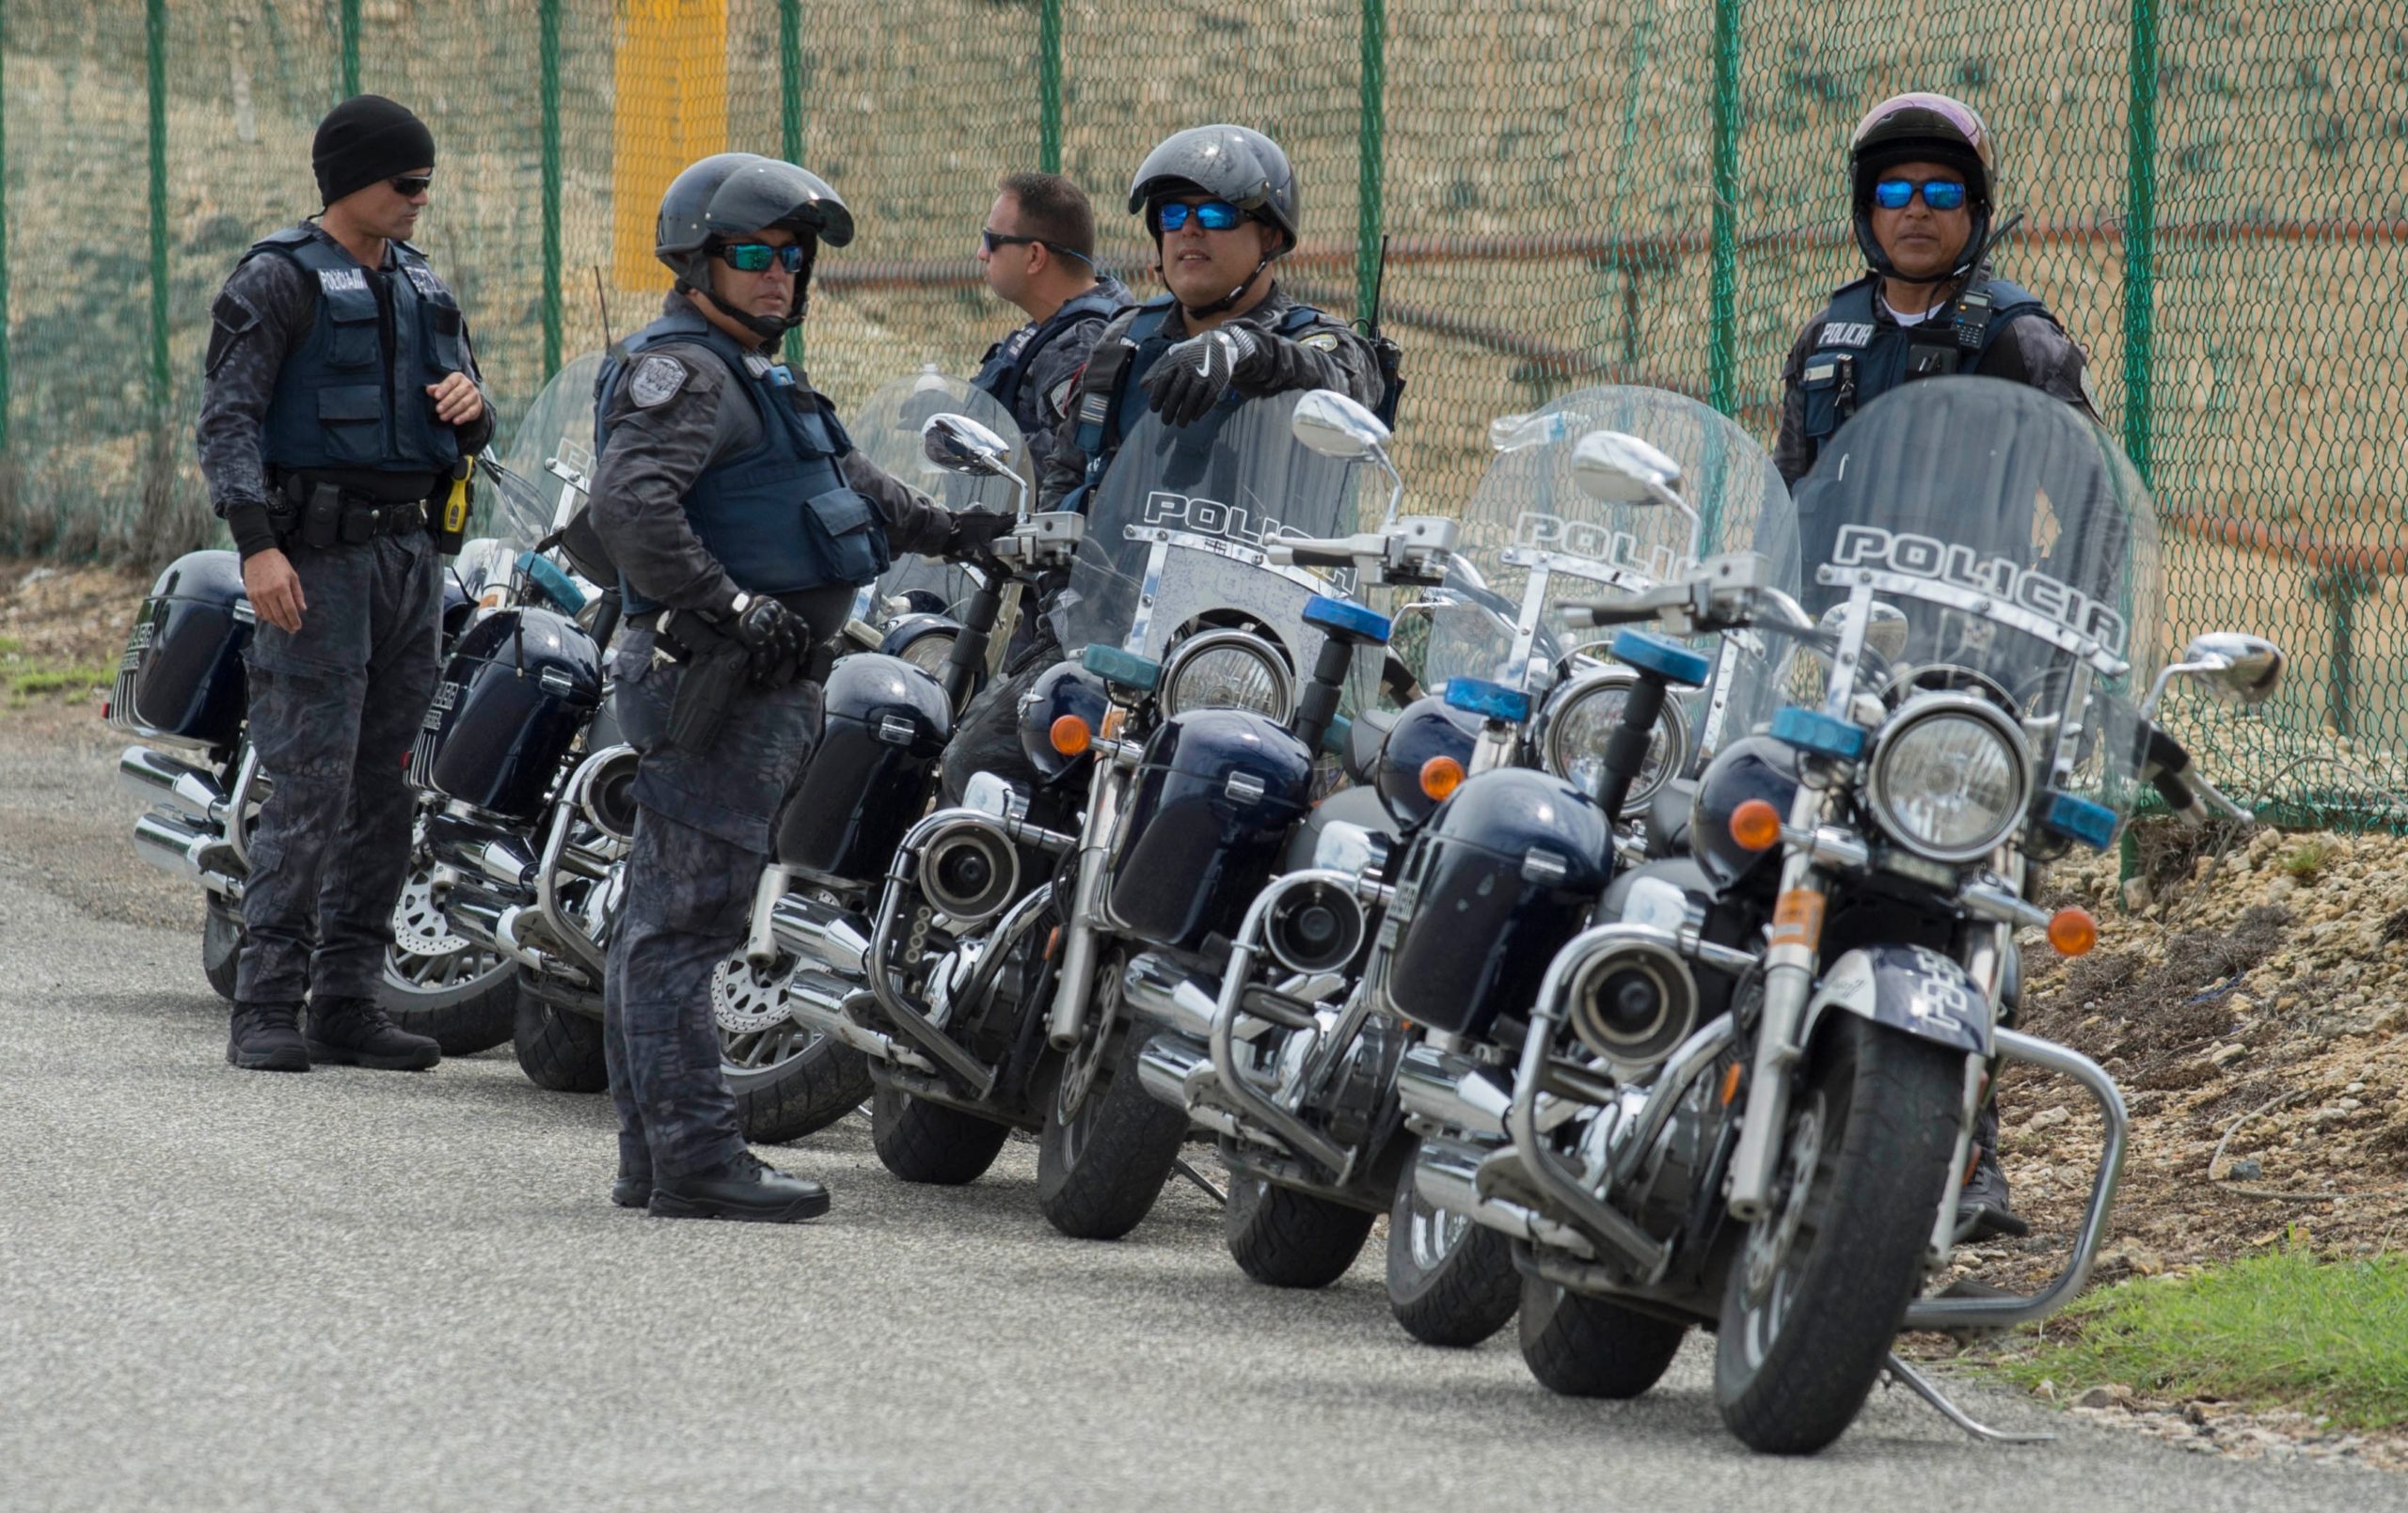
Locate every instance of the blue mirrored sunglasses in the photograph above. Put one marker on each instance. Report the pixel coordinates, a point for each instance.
(1940, 194)
(756, 257)
(1213, 214)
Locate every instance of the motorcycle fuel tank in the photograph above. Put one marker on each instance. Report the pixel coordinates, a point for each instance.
(521, 684)
(1207, 817)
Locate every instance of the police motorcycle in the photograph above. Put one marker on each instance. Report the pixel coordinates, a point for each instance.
(181, 693)
(1740, 1091)
(1177, 750)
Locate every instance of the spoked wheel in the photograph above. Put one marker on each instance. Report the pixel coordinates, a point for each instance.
(440, 983)
(788, 1080)
(1451, 1282)
(1823, 1280)
(221, 946)
(1108, 1145)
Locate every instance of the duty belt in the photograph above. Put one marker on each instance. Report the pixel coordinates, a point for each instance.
(326, 515)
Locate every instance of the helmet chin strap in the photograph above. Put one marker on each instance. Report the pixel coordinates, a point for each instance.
(767, 327)
(1229, 299)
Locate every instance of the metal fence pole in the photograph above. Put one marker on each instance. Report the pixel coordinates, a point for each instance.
(2140, 236)
(156, 17)
(1723, 337)
(790, 114)
(550, 16)
(4, 240)
(1370, 157)
(350, 48)
(1049, 85)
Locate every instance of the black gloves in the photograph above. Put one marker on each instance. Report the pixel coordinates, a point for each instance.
(774, 640)
(974, 530)
(1191, 377)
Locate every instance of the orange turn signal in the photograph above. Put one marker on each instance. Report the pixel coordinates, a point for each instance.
(1730, 1083)
(1114, 718)
(2073, 932)
(1757, 826)
(1441, 775)
(1070, 735)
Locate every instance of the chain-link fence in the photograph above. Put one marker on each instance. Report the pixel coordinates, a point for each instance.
(2215, 201)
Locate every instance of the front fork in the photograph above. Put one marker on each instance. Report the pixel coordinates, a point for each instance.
(1074, 981)
(1796, 940)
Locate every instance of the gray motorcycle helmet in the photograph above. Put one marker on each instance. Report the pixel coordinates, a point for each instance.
(730, 195)
(1903, 129)
(1234, 162)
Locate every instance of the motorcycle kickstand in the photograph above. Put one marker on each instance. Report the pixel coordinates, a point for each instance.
(1183, 1168)
(1924, 1388)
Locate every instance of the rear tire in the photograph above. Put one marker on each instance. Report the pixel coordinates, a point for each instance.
(559, 1049)
(1108, 1145)
(1286, 1238)
(1583, 1347)
(1451, 1282)
(930, 1143)
(221, 947)
(789, 1081)
(439, 984)
(1821, 1283)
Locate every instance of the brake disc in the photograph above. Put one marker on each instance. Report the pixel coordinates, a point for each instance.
(747, 998)
(419, 928)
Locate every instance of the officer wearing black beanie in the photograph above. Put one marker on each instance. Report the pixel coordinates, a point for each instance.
(339, 401)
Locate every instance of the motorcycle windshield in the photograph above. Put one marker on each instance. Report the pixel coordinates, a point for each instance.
(2020, 549)
(1176, 532)
(887, 432)
(1529, 529)
(521, 508)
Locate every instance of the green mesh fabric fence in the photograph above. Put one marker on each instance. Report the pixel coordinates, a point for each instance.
(2215, 201)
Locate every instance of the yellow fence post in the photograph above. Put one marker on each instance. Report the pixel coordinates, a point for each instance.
(672, 87)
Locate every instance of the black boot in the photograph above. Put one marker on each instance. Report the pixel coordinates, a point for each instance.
(745, 1188)
(354, 1031)
(1983, 1211)
(266, 1037)
(632, 1190)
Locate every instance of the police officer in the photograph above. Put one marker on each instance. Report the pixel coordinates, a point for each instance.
(1221, 205)
(1037, 251)
(339, 398)
(1924, 171)
(741, 520)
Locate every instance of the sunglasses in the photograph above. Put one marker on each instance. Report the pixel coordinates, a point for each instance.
(412, 186)
(1940, 194)
(756, 257)
(1213, 216)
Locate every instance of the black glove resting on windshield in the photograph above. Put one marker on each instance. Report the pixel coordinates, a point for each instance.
(974, 530)
(774, 638)
(1189, 379)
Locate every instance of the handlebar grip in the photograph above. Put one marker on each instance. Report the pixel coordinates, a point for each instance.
(1312, 555)
(1597, 616)
(2177, 793)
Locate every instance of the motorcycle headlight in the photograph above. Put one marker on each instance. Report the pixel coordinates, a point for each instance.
(1228, 669)
(923, 640)
(1950, 777)
(1579, 715)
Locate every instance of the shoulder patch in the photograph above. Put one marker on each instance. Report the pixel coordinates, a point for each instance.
(656, 381)
(423, 277)
(1320, 341)
(1057, 399)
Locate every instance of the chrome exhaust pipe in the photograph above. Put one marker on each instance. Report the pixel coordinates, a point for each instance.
(1451, 1092)
(1156, 989)
(171, 844)
(1447, 1175)
(814, 932)
(828, 1010)
(156, 777)
(1179, 1073)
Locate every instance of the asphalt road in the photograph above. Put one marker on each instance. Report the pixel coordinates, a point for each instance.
(373, 1290)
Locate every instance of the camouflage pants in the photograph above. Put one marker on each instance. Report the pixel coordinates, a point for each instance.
(333, 710)
(703, 834)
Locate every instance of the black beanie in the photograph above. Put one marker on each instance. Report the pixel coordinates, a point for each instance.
(366, 138)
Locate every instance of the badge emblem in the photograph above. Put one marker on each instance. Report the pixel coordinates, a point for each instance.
(1321, 341)
(656, 380)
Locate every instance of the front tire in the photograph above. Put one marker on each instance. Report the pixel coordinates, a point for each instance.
(1451, 1282)
(1822, 1282)
(1108, 1145)
(1583, 1347)
(559, 1049)
(439, 984)
(931, 1144)
(1286, 1238)
(221, 947)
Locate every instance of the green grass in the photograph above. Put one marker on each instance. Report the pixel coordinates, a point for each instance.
(2285, 1329)
(27, 681)
(2308, 859)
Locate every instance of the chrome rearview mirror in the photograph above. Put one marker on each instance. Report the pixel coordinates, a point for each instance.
(2234, 665)
(957, 444)
(1335, 426)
